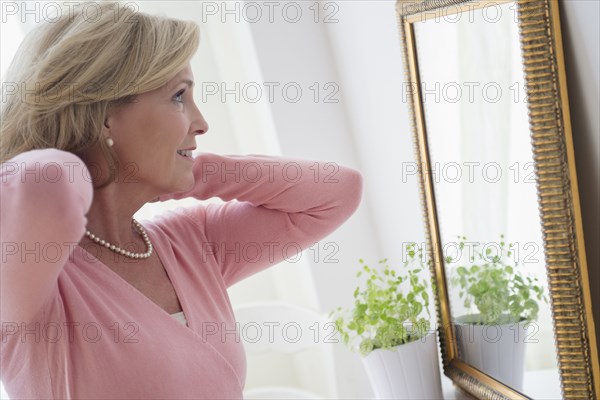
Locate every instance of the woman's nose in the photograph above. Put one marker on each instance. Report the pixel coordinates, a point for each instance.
(201, 125)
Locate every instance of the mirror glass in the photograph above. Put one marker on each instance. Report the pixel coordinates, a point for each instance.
(476, 123)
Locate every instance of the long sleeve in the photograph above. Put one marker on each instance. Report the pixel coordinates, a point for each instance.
(275, 207)
(45, 195)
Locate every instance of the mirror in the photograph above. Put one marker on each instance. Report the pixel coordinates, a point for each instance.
(483, 171)
(478, 76)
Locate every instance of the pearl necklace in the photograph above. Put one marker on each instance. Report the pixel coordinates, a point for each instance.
(126, 253)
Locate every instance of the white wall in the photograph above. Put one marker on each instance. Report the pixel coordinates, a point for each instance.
(581, 33)
(367, 129)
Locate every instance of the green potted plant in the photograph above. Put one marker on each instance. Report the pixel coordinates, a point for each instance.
(501, 301)
(389, 326)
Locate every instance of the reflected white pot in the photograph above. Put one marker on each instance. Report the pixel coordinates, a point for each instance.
(498, 350)
(408, 371)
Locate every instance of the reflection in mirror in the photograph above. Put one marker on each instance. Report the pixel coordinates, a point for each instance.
(485, 190)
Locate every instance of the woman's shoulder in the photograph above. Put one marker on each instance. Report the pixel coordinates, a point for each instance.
(184, 222)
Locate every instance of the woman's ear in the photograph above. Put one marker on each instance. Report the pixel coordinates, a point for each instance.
(109, 118)
(106, 132)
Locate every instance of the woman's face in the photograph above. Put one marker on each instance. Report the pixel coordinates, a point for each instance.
(148, 133)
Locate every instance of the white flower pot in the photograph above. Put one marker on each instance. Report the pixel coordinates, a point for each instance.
(408, 371)
(497, 350)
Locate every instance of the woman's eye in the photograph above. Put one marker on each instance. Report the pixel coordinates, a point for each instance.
(178, 97)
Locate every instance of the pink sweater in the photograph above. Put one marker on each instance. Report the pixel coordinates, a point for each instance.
(73, 328)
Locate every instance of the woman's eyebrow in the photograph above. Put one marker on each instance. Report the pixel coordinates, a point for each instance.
(172, 86)
(189, 82)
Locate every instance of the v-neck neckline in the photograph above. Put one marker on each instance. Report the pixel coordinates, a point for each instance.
(158, 249)
(158, 239)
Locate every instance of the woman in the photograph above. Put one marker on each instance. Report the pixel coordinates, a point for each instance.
(93, 303)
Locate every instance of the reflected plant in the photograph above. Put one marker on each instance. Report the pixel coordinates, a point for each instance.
(493, 284)
(389, 311)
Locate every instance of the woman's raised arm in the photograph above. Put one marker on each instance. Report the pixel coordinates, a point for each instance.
(283, 205)
(44, 197)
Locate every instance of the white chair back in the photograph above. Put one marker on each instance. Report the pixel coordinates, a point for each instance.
(302, 336)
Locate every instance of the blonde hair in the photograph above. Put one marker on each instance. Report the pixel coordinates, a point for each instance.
(68, 73)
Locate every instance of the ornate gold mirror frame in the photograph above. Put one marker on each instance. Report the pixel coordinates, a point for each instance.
(558, 198)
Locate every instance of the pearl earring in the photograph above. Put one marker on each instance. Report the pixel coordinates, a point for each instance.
(110, 142)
